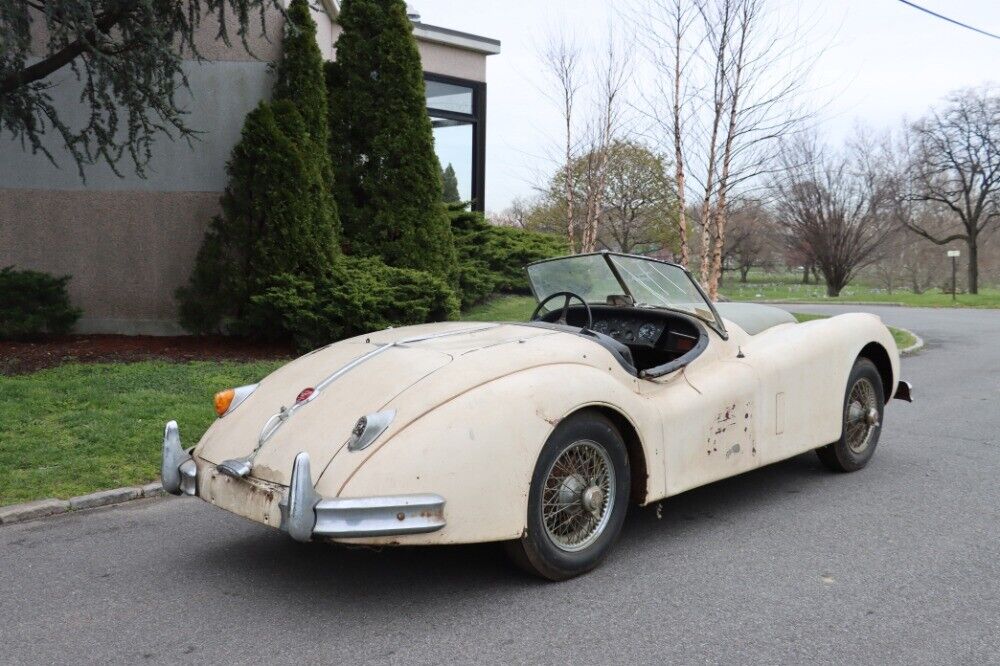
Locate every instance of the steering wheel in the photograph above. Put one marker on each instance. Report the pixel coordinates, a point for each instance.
(565, 308)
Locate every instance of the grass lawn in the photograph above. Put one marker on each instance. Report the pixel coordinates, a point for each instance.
(78, 428)
(779, 287)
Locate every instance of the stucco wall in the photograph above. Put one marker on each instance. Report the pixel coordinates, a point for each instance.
(223, 93)
(128, 242)
(127, 251)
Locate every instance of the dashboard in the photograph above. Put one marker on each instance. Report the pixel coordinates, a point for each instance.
(654, 337)
(630, 330)
(639, 328)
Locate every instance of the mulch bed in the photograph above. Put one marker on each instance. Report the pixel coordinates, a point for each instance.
(23, 357)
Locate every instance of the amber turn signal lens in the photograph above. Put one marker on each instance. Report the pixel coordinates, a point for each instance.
(223, 399)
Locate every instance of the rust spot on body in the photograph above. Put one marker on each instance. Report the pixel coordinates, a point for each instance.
(552, 421)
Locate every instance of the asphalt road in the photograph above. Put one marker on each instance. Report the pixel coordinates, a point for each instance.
(899, 563)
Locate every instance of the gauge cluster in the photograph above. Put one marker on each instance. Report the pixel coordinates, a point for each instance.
(636, 331)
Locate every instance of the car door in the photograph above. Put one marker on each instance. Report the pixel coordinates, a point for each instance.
(708, 415)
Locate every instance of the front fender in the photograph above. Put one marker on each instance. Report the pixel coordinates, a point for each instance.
(479, 449)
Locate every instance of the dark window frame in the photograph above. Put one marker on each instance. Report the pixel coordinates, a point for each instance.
(478, 121)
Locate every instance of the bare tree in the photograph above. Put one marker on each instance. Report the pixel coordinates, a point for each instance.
(837, 205)
(745, 86)
(953, 161)
(612, 76)
(718, 19)
(746, 17)
(515, 215)
(666, 29)
(750, 239)
(561, 58)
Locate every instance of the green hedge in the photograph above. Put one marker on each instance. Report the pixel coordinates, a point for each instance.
(32, 303)
(491, 259)
(358, 295)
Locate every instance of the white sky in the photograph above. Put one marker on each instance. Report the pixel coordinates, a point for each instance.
(884, 61)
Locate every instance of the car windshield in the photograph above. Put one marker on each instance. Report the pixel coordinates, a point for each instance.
(649, 282)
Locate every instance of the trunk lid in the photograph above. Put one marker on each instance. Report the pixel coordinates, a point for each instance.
(362, 374)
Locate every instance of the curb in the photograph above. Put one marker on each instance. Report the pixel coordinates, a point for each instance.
(891, 304)
(915, 347)
(20, 513)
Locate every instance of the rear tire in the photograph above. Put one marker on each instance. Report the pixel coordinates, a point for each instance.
(864, 405)
(578, 499)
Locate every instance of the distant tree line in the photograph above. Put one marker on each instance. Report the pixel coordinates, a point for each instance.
(736, 172)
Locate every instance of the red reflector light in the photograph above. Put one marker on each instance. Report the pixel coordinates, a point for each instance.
(304, 395)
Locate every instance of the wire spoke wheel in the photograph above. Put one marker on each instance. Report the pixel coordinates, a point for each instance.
(578, 495)
(861, 415)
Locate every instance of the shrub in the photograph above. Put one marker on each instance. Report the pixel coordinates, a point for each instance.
(32, 303)
(388, 180)
(491, 259)
(356, 296)
(273, 221)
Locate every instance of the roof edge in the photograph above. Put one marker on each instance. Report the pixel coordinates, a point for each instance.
(456, 38)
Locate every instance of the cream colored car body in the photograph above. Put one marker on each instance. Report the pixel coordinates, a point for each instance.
(474, 408)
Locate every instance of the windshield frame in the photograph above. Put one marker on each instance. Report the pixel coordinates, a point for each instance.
(715, 323)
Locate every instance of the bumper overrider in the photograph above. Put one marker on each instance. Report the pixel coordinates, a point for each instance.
(305, 514)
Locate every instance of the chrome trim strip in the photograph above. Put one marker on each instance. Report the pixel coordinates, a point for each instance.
(286, 412)
(305, 514)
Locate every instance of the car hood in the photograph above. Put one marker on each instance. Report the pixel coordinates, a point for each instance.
(363, 375)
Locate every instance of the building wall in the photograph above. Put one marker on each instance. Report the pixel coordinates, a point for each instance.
(130, 242)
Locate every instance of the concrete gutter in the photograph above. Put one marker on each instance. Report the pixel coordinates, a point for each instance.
(19, 513)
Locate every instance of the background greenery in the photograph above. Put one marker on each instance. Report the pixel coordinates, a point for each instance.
(787, 286)
(32, 303)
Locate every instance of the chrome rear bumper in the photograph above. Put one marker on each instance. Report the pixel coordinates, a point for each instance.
(305, 514)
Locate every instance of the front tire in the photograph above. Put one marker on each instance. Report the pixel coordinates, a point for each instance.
(578, 499)
(864, 405)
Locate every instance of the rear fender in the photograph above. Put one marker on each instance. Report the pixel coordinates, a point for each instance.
(479, 449)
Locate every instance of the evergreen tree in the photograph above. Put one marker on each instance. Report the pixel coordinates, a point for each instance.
(272, 222)
(450, 183)
(388, 180)
(278, 217)
(301, 81)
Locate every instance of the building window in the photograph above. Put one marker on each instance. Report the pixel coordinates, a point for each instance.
(457, 108)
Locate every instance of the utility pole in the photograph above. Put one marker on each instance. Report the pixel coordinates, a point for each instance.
(954, 254)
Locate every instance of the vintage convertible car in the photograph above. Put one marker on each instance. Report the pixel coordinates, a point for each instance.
(632, 388)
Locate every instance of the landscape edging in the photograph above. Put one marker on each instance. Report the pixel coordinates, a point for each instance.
(21, 513)
(915, 346)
